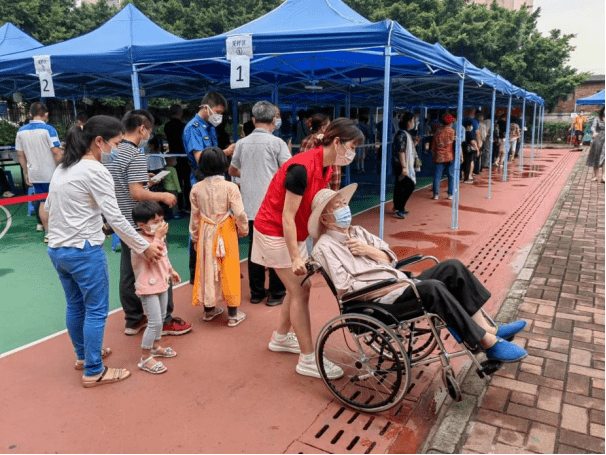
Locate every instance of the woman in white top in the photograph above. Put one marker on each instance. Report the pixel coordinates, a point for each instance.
(81, 190)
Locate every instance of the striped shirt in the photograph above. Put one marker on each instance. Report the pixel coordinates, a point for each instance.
(36, 140)
(129, 167)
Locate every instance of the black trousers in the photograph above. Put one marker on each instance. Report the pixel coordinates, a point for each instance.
(402, 189)
(183, 173)
(256, 275)
(468, 158)
(452, 292)
(131, 304)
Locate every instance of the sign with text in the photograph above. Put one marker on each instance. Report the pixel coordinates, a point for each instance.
(240, 72)
(239, 45)
(43, 70)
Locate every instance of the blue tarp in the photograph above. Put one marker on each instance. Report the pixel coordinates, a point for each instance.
(597, 99)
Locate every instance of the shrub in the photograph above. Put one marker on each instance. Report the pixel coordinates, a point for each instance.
(8, 132)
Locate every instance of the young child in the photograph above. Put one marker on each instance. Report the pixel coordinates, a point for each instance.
(151, 284)
(217, 219)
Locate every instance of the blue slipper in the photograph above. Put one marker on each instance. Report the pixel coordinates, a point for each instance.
(509, 330)
(454, 334)
(505, 351)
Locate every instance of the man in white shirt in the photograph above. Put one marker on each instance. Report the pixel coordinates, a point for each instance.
(256, 159)
(39, 151)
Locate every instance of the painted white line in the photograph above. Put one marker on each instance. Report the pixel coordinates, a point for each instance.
(49, 337)
(9, 221)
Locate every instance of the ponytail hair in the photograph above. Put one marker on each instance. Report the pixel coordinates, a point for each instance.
(78, 138)
(343, 128)
(317, 121)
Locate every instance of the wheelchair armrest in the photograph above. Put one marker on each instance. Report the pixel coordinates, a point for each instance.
(414, 259)
(352, 295)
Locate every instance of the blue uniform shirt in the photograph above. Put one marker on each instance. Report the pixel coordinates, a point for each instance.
(197, 135)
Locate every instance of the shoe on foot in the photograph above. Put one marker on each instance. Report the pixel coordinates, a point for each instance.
(45, 238)
(39, 227)
(311, 369)
(8, 194)
(274, 301)
(468, 181)
(509, 330)
(505, 351)
(284, 343)
(450, 197)
(137, 327)
(176, 327)
(399, 214)
(257, 299)
(156, 368)
(238, 319)
(435, 197)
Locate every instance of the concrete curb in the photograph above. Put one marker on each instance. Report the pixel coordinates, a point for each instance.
(453, 424)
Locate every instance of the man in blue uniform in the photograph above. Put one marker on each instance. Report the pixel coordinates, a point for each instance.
(200, 132)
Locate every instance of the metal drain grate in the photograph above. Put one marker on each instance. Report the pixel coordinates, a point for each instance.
(503, 243)
(339, 429)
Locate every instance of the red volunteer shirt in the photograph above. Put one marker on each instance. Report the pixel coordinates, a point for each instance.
(269, 217)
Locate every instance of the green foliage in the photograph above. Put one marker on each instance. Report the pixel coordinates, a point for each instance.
(556, 132)
(8, 132)
(506, 42)
(50, 21)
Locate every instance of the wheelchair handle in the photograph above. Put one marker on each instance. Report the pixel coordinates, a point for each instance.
(311, 267)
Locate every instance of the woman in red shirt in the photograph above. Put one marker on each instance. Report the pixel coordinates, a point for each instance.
(443, 155)
(280, 231)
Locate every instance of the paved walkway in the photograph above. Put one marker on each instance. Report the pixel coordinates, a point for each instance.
(227, 393)
(553, 401)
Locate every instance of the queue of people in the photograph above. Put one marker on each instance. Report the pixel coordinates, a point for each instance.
(282, 201)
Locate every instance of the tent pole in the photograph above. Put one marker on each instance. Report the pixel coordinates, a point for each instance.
(386, 91)
(136, 93)
(522, 136)
(542, 125)
(454, 223)
(507, 143)
(421, 130)
(348, 115)
(492, 109)
(534, 118)
(75, 110)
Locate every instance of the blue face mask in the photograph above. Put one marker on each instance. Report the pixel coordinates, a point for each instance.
(342, 217)
(110, 157)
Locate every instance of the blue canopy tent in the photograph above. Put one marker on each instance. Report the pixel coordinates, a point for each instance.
(13, 40)
(597, 99)
(99, 63)
(321, 51)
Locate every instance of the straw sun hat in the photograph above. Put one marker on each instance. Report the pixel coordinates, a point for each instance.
(321, 199)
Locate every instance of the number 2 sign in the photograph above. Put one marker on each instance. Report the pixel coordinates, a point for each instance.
(43, 70)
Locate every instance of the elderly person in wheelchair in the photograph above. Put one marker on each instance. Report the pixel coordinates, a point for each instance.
(354, 258)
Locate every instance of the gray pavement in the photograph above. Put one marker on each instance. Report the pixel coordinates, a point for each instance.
(552, 401)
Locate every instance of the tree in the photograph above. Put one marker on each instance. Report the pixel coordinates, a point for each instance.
(506, 42)
(51, 21)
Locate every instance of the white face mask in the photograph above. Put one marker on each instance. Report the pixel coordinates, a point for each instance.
(144, 142)
(344, 160)
(153, 227)
(278, 123)
(214, 119)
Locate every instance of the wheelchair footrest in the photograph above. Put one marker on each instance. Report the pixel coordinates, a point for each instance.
(489, 367)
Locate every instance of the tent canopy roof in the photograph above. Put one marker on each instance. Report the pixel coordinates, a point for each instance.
(13, 40)
(597, 99)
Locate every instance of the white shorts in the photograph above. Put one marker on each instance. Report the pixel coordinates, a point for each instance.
(271, 251)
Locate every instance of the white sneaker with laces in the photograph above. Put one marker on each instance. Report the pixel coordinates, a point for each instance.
(311, 369)
(289, 344)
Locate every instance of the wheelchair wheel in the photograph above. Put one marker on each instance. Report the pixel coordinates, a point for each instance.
(375, 366)
(454, 390)
(423, 340)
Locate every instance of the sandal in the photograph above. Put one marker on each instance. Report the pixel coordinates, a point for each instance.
(166, 352)
(108, 376)
(210, 316)
(240, 317)
(156, 368)
(105, 352)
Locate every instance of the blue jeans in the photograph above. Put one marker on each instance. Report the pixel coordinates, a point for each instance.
(85, 279)
(437, 176)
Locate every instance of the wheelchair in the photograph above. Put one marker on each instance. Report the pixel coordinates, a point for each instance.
(377, 351)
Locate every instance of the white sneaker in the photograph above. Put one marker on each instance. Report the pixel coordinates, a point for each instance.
(289, 344)
(39, 228)
(311, 369)
(8, 194)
